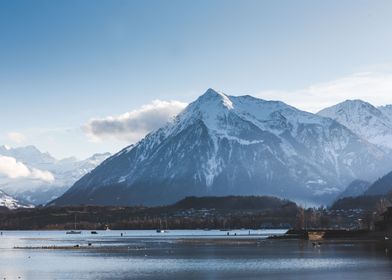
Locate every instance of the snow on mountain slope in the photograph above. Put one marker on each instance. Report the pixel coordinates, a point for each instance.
(38, 177)
(11, 202)
(364, 119)
(386, 110)
(226, 145)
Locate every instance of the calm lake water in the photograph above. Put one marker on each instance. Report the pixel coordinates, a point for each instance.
(186, 255)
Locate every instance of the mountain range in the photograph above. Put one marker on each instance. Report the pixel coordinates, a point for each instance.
(36, 178)
(240, 145)
(367, 121)
(12, 203)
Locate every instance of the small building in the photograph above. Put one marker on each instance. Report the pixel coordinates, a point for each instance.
(386, 223)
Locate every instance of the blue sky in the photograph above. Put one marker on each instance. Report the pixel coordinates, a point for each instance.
(63, 63)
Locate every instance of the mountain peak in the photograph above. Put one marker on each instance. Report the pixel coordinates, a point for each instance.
(350, 108)
(364, 119)
(212, 96)
(350, 104)
(357, 102)
(31, 148)
(211, 93)
(5, 147)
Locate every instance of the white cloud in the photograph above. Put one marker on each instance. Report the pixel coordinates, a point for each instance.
(16, 137)
(372, 87)
(132, 126)
(42, 175)
(14, 169)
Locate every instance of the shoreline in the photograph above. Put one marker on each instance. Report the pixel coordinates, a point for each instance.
(209, 242)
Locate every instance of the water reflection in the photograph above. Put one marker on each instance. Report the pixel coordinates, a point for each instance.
(144, 255)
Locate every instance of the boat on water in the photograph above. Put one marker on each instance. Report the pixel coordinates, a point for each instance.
(94, 232)
(74, 231)
(160, 229)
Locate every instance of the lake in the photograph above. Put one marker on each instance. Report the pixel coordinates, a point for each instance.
(186, 254)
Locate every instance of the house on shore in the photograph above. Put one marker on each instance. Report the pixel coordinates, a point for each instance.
(386, 223)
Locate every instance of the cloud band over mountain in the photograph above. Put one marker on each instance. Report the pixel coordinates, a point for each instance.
(132, 126)
(14, 169)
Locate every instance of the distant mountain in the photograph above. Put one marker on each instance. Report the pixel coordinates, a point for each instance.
(226, 145)
(39, 177)
(370, 123)
(30, 155)
(356, 188)
(11, 202)
(382, 186)
(370, 199)
(364, 202)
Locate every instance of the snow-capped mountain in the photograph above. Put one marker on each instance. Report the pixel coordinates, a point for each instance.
(226, 145)
(371, 123)
(30, 175)
(11, 202)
